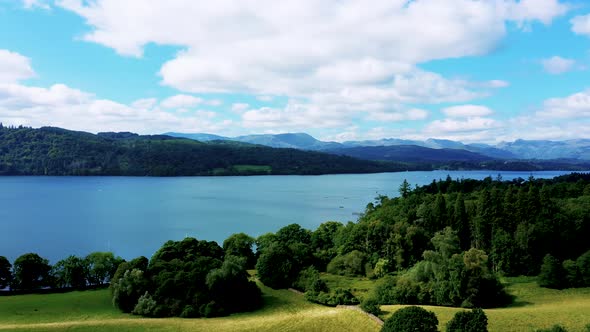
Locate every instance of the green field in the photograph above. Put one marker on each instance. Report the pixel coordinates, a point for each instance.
(534, 308)
(92, 311)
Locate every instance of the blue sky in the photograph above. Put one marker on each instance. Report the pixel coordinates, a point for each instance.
(475, 71)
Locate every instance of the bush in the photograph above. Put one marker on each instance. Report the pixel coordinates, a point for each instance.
(339, 296)
(583, 263)
(552, 273)
(306, 279)
(411, 319)
(351, 264)
(371, 306)
(146, 306)
(468, 321)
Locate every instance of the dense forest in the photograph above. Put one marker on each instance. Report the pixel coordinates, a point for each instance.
(56, 151)
(446, 243)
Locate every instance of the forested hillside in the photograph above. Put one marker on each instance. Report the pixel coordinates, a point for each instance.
(56, 151)
(443, 243)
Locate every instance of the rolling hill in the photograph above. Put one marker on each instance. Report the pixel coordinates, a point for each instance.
(57, 151)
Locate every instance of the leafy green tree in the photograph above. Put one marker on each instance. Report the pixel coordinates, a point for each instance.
(583, 264)
(572, 273)
(31, 272)
(468, 321)
(275, 266)
(484, 220)
(101, 267)
(127, 290)
(70, 272)
(552, 273)
(140, 263)
(293, 233)
(5, 274)
(240, 245)
(230, 288)
(405, 189)
(411, 319)
(439, 214)
(351, 264)
(460, 222)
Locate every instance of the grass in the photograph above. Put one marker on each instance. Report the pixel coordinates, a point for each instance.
(359, 286)
(534, 308)
(92, 311)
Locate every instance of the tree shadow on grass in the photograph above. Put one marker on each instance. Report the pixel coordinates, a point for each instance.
(519, 304)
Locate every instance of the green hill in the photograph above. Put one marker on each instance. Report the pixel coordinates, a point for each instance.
(56, 151)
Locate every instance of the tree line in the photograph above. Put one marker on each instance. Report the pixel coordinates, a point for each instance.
(56, 151)
(31, 272)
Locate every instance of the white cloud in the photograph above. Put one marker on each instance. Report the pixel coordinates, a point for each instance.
(30, 4)
(239, 107)
(581, 25)
(575, 106)
(14, 67)
(467, 111)
(181, 101)
(558, 65)
(62, 106)
(458, 126)
(265, 98)
(252, 47)
(411, 114)
(145, 103)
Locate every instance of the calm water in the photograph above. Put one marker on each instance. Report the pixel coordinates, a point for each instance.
(132, 216)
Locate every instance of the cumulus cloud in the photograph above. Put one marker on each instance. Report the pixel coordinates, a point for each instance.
(558, 65)
(181, 101)
(581, 25)
(467, 125)
(575, 106)
(411, 114)
(30, 4)
(467, 111)
(14, 67)
(252, 47)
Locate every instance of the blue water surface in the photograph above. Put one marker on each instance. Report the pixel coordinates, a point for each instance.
(132, 216)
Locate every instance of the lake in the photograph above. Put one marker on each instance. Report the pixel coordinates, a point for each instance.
(132, 216)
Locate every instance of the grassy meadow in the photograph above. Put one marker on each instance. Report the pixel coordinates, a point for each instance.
(534, 308)
(92, 311)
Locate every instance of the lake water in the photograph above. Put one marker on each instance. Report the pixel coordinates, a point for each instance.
(131, 216)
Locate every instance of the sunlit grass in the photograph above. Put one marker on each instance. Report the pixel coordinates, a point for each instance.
(92, 311)
(534, 308)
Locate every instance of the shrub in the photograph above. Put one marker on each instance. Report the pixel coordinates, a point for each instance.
(371, 306)
(128, 289)
(351, 264)
(411, 319)
(146, 306)
(583, 263)
(339, 296)
(468, 321)
(306, 279)
(551, 275)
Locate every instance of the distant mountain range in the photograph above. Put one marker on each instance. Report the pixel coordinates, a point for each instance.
(520, 149)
